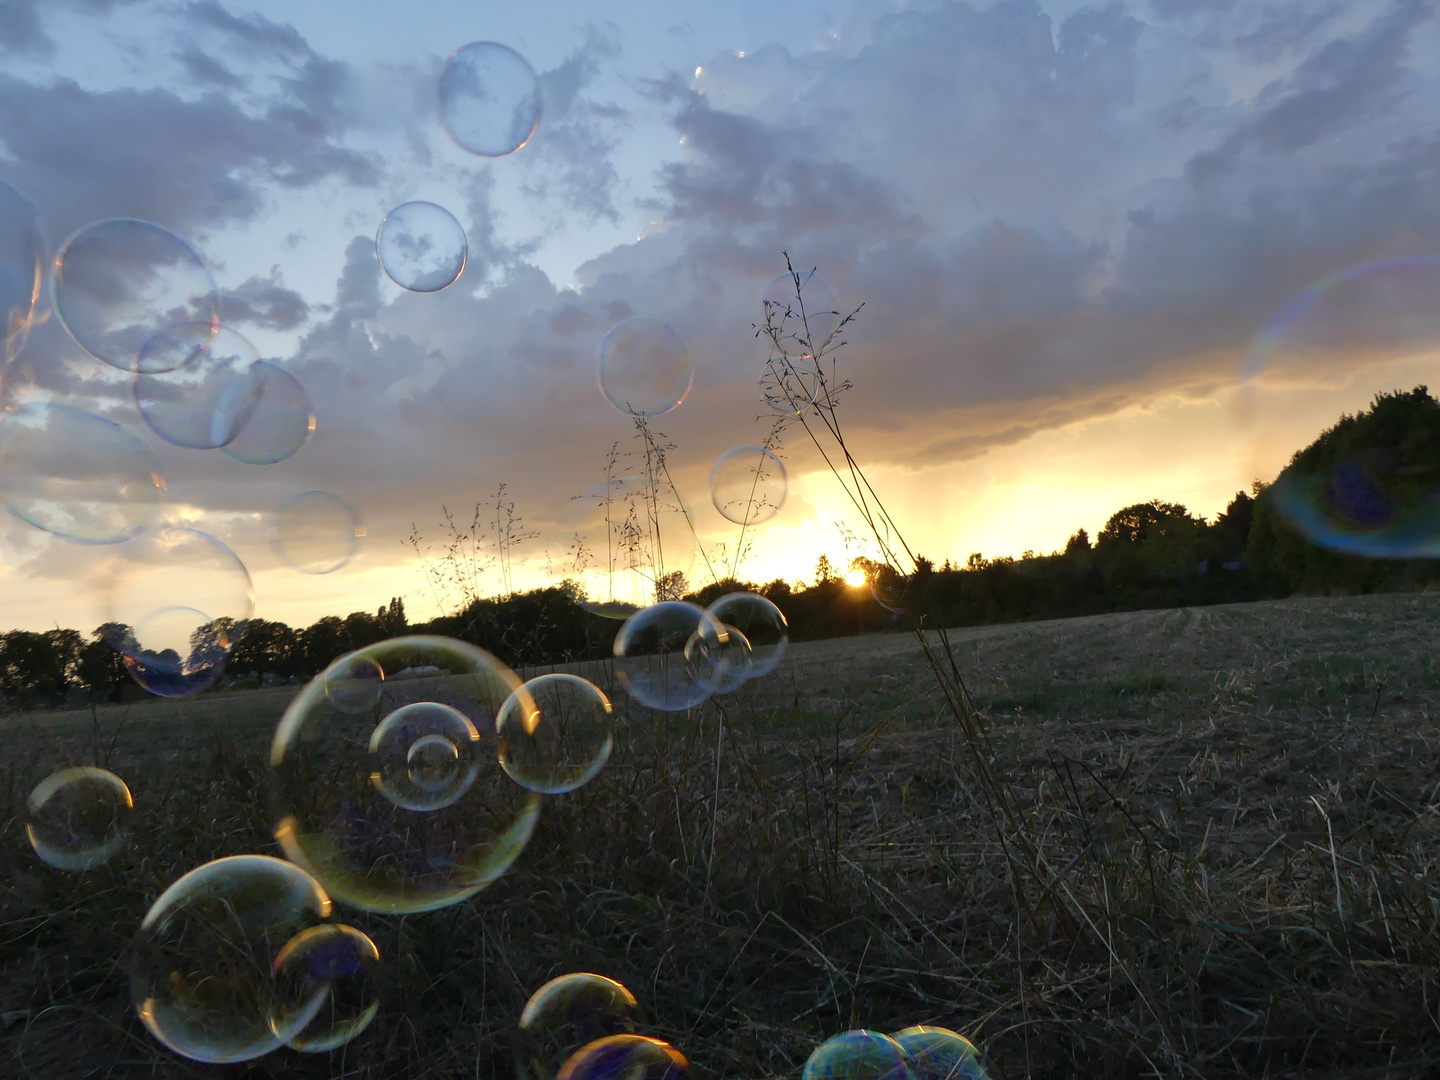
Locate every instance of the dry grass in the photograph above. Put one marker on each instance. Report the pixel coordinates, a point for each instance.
(1221, 862)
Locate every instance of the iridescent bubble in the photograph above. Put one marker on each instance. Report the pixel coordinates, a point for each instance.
(489, 99)
(1367, 487)
(208, 400)
(667, 655)
(790, 385)
(748, 485)
(856, 1055)
(317, 532)
(22, 258)
(77, 817)
(939, 1054)
(762, 623)
(644, 367)
(556, 735)
(421, 246)
(76, 475)
(352, 684)
(800, 312)
(176, 601)
(566, 1014)
(894, 591)
(424, 755)
(625, 1057)
(736, 659)
(369, 850)
(118, 283)
(201, 969)
(326, 988)
(281, 422)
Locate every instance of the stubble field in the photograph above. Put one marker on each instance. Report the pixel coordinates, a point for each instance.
(1213, 854)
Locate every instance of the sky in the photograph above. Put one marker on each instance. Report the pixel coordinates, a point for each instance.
(1066, 223)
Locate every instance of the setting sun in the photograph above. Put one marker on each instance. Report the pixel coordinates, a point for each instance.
(855, 579)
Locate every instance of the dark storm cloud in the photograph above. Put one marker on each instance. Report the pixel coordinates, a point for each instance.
(23, 31)
(264, 302)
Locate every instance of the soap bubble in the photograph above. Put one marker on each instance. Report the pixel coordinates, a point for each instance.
(368, 850)
(660, 665)
(625, 1057)
(421, 246)
(801, 312)
(76, 475)
(22, 259)
(201, 966)
(489, 99)
(939, 1054)
(556, 735)
(78, 817)
(1351, 493)
(856, 1055)
(763, 625)
(619, 610)
(644, 367)
(790, 385)
(748, 485)
(894, 591)
(118, 283)
(424, 755)
(206, 402)
(326, 992)
(281, 421)
(317, 532)
(735, 659)
(176, 601)
(566, 1014)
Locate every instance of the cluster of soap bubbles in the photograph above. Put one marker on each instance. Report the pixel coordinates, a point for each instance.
(583, 1027)
(916, 1053)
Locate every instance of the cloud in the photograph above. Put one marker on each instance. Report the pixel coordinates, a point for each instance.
(264, 302)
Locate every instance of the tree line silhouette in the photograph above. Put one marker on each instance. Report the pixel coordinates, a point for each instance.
(1153, 554)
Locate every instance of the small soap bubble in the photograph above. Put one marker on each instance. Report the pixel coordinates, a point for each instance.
(424, 755)
(801, 312)
(77, 475)
(201, 969)
(790, 385)
(281, 421)
(384, 830)
(317, 532)
(22, 259)
(208, 400)
(644, 367)
(763, 624)
(118, 283)
(625, 1057)
(737, 661)
(566, 1014)
(421, 246)
(77, 817)
(556, 735)
(895, 592)
(325, 987)
(667, 656)
(939, 1054)
(856, 1055)
(489, 99)
(748, 485)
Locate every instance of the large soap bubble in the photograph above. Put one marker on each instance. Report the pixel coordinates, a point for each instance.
(206, 401)
(22, 259)
(325, 988)
(856, 1055)
(317, 532)
(801, 313)
(489, 99)
(764, 629)
(421, 246)
(644, 367)
(424, 755)
(748, 485)
(202, 966)
(556, 734)
(76, 475)
(281, 422)
(1349, 492)
(667, 656)
(369, 850)
(118, 283)
(176, 602)
(567, 1013)
(933, 1053)
(77, 817)
(634, 1057)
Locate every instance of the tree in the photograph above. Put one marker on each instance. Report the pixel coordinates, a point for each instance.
(825, 570)
(1138, 523)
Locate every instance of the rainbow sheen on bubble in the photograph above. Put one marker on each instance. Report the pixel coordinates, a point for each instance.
(625, 1057)
(281, 422)
(556, 735)
(566, 1014)
(326, 988)
(117, 283)
(748, 485)
(201, 967)
(644, 367)
(76, 819)
(207, 401)
(424, 755)
(421, 247)
(369, 850)
(934, 1053)
(763, 624)
(856, 1055)
(22, 261)
(667, 656)
(736, 658)
(317, 532)
(489, 99)
(76, 475)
